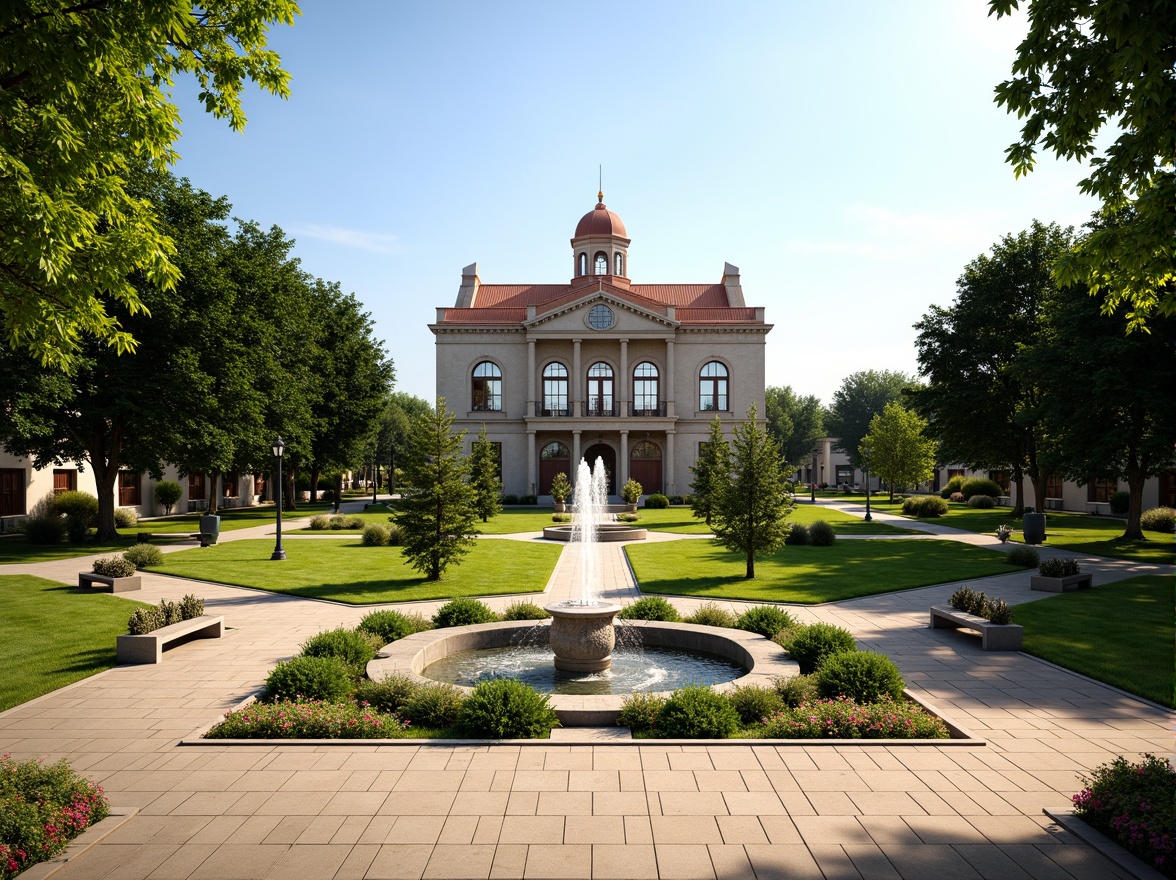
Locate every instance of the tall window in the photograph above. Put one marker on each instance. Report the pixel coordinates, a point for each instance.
(555, 390)
(600, 390)
(487, 387)
(582, 263)
(196, 486)
(231, 485)
(712, 387)
(619, 264)
(645, 389)
(1101, 490)
(600, 264)
(64, 481)
(1053, 487)
(128, 489)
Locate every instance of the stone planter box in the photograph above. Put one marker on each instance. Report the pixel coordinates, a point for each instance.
(993, 636)
(148, 647)
(109, 584)
(1068, 584)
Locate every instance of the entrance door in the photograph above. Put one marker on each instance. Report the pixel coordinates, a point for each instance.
(645, 466)
(554, 458)
(12, 492)
(609, 457)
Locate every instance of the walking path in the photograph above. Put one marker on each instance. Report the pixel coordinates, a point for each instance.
(603, 810)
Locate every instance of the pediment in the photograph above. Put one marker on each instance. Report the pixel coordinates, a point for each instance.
(632, 313)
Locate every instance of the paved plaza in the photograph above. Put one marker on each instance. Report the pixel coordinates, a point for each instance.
(575, 807)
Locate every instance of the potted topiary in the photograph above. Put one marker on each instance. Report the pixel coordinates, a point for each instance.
(631, 494)
(561, 489)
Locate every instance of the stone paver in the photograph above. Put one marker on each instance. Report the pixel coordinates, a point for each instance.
(592, 809)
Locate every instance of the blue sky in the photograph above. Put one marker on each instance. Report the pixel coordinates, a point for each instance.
(847, 156)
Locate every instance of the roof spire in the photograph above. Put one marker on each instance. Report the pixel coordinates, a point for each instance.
(600, 186)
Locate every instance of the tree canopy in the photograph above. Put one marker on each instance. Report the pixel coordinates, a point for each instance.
(898, 449)
(712, 473)
(795, 423)
(85, 94)
(861, 396)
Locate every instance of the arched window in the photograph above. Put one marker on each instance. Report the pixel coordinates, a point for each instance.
(619, 263)
(646, 400)
(600, 390)
(645, 450)
(487, 394)
(601, 264)
(583, 265)
(555, 390)
(555, 451)
(712, 387)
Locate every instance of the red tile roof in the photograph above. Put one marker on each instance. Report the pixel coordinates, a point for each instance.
(715, 316)
(485, 316)
(684, 295)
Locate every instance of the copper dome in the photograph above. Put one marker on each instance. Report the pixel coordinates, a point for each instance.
(600, 221)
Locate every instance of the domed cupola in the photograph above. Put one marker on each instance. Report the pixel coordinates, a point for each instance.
(601, 244)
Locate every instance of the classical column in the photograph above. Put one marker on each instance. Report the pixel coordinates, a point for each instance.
(670, 378)
(575, 454)
(530, 482)
(668, 476)
(623, 379)
(576, 411)
(827, 467)
(531, 408)
(623, 464)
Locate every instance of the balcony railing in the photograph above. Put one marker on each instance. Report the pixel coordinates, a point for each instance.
(600, 407)
(643, 409)
(553, 412)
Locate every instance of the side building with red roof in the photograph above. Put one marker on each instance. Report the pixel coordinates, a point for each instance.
(600, 367)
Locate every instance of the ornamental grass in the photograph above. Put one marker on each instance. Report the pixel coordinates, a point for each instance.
(845, 719)
(310, 719)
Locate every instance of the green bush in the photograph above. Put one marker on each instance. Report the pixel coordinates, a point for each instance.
(982, 502)
(42, 808)
(44, 529)
(125, 518)
(145, 620)
(191, 607)
(337, 522)
(846, 719)
(353, 521)
(113, 566)
(650, 608)
(640, 712)
(509, 499)
(967, 599)
(924, 506)
(953, 486)
(979, 486)
(82, 505)
(503, 708)
(1158, 519)
(821, 534)
(347, 645)
(167, 493)
(1119, 502)
(797, 689)
(657, 501)
(627, 517)
(561, 517)
(374, 535)
(308, 719)
(320, 522)
(863, 676)
(143, 555)
(812, 644)
(170, 612)
(528, 500)
(631, 492)
(1023, 557)
(387, 695)
(388, 625)
(561, 488)
(1134, 804)
(463, 612)
(395, 535)
(798, 535)
(710, 614)
(310, 678)
(524, 611)
(697, 712)
(433, 705)
(767, 620)
(1056, 568)
(753, 703)
(676, 500)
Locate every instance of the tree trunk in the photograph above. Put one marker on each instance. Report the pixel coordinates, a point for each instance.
(1134, 532)
(339, 492)
(750, 564)
(288, 499)
(104, 450)
(213, 494)
(315, 470)
(1019, 482)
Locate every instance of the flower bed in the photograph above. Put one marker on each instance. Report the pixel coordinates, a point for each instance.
(42, 808)
(843, 718)
(311, 719)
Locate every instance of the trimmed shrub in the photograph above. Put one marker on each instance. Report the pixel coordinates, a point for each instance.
(524, 611)
(627, 517)
(754, 703)
(1056, 568)
(1023, 557)
(697, 712)
(338, 522)
(676, 500)
(561, 488)
(982, 502)
(924, 506)
(320, 522)
(797, 689)
(528, 500)
(798, 535)
(1134, 804)
(640, 712)
(561, 517)
(710, 614)
(812, 644)
(44, 529)
(821, 534)
(979, 486)
(952, 488)
(657, 501)
(433, 705)
(1158, 519)
(143, 555)
(767, 620)
(395, 535)
(113, 566)
(387, 695)
(388, 625)
(191, 607)
(1000, 613)
(1119, 502)
(82, 505)
(650, 608)
(308, 719)
(463, 612)
(353, 521)
(145, 620)
(310, 678)
(509, 499)
(374, 535)
(503, 708)
(167, 493)
(347, 645)
(631, 492)
(863, 676)
(845, 719)
(125, 518)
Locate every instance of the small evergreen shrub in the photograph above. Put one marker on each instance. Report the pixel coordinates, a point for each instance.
(967, 599)
(1119, 502)
(657, 501)
(510, 499)
(191, 607)
(374, 535)
(308, 719)
(561, 488)
(350, 646)
(710, 614)
(754, 703)
(640, 712)
(963, 599)
(524, 611)
(167, 493)
(561, 517)
(44, 529)
(337, 522)
(433, 705)
(845, 719)
(1000, 613)
(979, 486)
(697, 712)
(821, 534)
(143, 555)
(82, 505)
(387, 695)
(528, 500)
(650, 608)
(982, 502)
(353, 521)
(767, 620)
(1158, 519)
(170, 612)
(924, 506)
(319, 522)
(1023, 556)
(310, 678)
(627, 517)
(503, 708)
(812, 644)
(463, 612)
(145, 620)
(863, 676)
(1056, 568)
(797, 689)
(798, 535)
(113, 566)
(676, 500)
(395, 535)
(688, 500)
(952, 488)
(125, 518)
(388, 625)
(631, 492)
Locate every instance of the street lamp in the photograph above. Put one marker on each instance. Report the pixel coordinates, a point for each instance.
(375, 472)
(864, 449)
(813, 479)
(279, 448)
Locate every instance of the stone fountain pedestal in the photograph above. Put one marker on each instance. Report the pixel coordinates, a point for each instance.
(582, 636)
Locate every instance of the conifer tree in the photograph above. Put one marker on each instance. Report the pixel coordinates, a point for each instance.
(712, 473)
(484, 477)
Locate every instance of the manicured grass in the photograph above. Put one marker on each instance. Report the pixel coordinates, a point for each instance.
(808, 575)
(231, 519)
(1120, 633)
(346, 571)
(16, 550)
(52, 635)
(843, 523)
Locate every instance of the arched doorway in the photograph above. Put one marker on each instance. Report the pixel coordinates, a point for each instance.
(606, 454)
(554, 458)
(645, 466)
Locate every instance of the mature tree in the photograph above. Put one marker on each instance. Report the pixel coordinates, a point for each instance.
(712, 473)
(861, 397)
(1108, 398)
(436, 511)
(979, 405)
(401, 409)
(1089, 63)
(85, 92)
(484, 479)
(795, 423)
(898, 449)
(750, 517)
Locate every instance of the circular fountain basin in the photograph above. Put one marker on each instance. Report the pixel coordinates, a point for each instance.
(762, 659)
(604, 532)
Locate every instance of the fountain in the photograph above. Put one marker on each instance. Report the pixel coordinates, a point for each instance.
(590, 516)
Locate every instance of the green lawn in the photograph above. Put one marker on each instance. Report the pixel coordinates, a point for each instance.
(1120, 633)
(16, 550)
(231, 519)
(808, 574)
(52, 635)
(346, 571)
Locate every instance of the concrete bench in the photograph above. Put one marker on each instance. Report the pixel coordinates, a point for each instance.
(205, 538)
(1098, 508)
(148, 647)
(109, 584)
(993, 636)
(1067, 584)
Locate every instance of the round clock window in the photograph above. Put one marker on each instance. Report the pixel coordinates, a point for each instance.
(600, 317)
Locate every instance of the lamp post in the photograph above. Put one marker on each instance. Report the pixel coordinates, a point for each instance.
(375, 473)
(864, 449)
(813, 479)
(279, 448)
